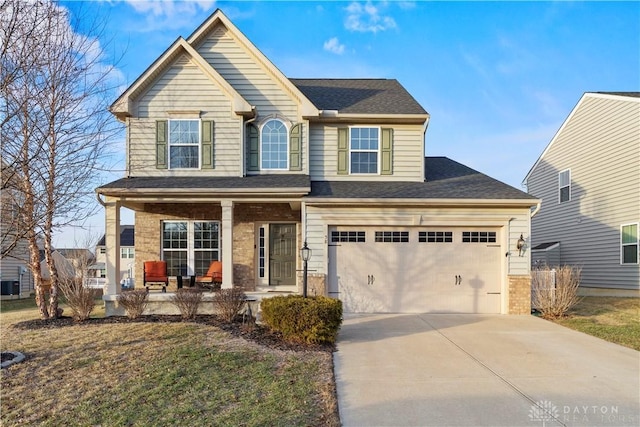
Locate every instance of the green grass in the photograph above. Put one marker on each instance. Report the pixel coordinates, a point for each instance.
(17, 304)
(613, 319)
(143, 374)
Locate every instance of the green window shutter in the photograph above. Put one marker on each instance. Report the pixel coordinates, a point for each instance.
(207, 144)
(295, 148)
(254, 149)
(161, 144)
(387, 152)
(343, 151)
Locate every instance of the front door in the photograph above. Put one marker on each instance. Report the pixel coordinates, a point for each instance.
(282, 254)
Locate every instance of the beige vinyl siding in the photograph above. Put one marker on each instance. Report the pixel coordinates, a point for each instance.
(247, 75)
(516, 220)
(600, 143)
(184, 87)
(520, 225)
(408, 154)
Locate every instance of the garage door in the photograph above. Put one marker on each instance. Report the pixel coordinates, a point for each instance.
(415, 270)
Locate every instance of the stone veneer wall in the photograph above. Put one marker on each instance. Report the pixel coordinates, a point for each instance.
(148, 234)
(316, 284)
(520, 294)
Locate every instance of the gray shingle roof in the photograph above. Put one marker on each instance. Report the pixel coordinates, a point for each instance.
(544, 246)
(359, 96)
(445, 179)
(127, 236)
(212, 183)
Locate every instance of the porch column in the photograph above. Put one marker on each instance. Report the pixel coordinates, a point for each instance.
(112, 245)
(227, 243)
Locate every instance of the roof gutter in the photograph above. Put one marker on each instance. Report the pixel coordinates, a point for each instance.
(197, 192)
(314, 201)
(336, 116)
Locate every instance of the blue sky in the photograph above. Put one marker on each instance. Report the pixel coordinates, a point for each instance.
(498, 78)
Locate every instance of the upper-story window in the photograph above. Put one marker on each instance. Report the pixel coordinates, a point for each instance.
(365, 150)
(364, 146)
(127, 252)
(564, 186)
(629, 240)
(274, 145)
(184, 144)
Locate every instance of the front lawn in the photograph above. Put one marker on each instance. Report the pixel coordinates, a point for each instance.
(613, 319)
(160, 373)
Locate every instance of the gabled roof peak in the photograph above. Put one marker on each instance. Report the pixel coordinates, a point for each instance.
(123, 105)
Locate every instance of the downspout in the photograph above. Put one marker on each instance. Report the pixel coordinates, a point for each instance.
(537, 209)
(424, 148)
(128, 151)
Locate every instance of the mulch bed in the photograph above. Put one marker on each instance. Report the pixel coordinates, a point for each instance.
(252, 332)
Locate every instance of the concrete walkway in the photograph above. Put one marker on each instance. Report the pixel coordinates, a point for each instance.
(481, 370)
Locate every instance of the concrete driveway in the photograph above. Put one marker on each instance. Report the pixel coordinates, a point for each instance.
(481, 370)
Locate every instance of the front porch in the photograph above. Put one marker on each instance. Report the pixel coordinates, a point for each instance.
(160, 302)
(256, 238)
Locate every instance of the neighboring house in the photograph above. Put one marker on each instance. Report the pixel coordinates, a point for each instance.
(64, 266)
(228, 159)
(127, 256)
(80, 258)
(588, 178)
(16, 280)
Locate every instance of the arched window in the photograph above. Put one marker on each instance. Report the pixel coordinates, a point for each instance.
(274, 145)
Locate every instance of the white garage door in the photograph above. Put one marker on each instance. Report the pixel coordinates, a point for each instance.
(416, 269)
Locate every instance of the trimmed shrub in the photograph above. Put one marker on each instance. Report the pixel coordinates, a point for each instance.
(228, 302)
(312, 320)
(79, 298)
(553, 300)
(187, 300)
(134, 302)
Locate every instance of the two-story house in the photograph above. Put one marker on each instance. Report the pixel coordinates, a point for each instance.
(229, 159)
(127, 256)
(588, 178)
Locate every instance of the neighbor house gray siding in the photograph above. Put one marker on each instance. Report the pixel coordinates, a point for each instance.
(600, 144)
(12, 266)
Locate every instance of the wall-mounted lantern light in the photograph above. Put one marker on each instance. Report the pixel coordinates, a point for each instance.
(520, 245)
(305, 254)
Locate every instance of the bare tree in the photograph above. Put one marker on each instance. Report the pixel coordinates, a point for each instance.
(56, 128)
(75, 288)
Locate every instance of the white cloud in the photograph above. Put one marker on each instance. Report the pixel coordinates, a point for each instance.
(367, 18)
(333, 45)
(161, 15)
(169, 8)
